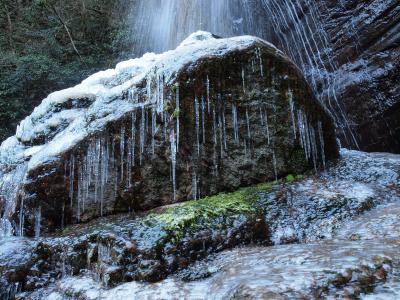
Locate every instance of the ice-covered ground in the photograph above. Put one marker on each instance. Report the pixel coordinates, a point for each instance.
(278, 272)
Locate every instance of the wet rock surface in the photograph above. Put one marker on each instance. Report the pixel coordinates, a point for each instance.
(344, 206)
(366, 45)
(350, 53)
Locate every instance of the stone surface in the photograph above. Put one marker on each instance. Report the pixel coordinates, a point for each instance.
(366, 41)
(350, 50)
(211, 116)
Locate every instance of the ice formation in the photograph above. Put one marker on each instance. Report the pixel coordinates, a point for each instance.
(68, 117)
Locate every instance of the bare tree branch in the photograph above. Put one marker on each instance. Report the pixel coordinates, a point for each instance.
(66, 30)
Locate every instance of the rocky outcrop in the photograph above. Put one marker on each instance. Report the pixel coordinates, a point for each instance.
(212, 115)
(366, 45)
(350, 53)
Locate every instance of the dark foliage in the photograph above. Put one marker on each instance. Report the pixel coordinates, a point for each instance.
(47, 45)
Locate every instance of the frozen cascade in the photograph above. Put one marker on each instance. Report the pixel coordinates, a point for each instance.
(9, 186)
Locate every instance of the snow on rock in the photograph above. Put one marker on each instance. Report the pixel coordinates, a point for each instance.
(76, 135)
(103, 91)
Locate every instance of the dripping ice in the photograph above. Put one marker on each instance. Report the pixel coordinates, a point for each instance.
(91, 176)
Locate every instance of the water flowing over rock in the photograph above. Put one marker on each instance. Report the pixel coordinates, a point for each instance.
(348, 50)
(210, 116)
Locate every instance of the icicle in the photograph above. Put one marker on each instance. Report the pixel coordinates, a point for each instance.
(214, 127)
(177, 112)
(194, 186)
(114, 167)
(79, 192)
(197, 119)
(133, 136)
(122, 151)
(224, 127)
(21, 218)
(148, 87)
(38, 220)
(129, 163)
(173, 161)
(243, 81)
(208, 93)
(259, 54)
(220, 134)
(267, 128)
(165, 123)
(71, 178)
(307, 136)
(63, 216)
(235, 123)
(275, 165)
(203, 120)
(248, 124)
(153, 131)
(313, 147)
(322, 143)
(142, 135)
(103, 165)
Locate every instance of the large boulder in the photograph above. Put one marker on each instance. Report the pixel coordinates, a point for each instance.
(210, 116)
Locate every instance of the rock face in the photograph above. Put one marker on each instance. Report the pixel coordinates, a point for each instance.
(210, 116)
(366, 44)
(350, 53)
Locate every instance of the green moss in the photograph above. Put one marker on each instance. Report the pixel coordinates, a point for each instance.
(191, 215)
(176, 113)
(174, 88)
(290, 178)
